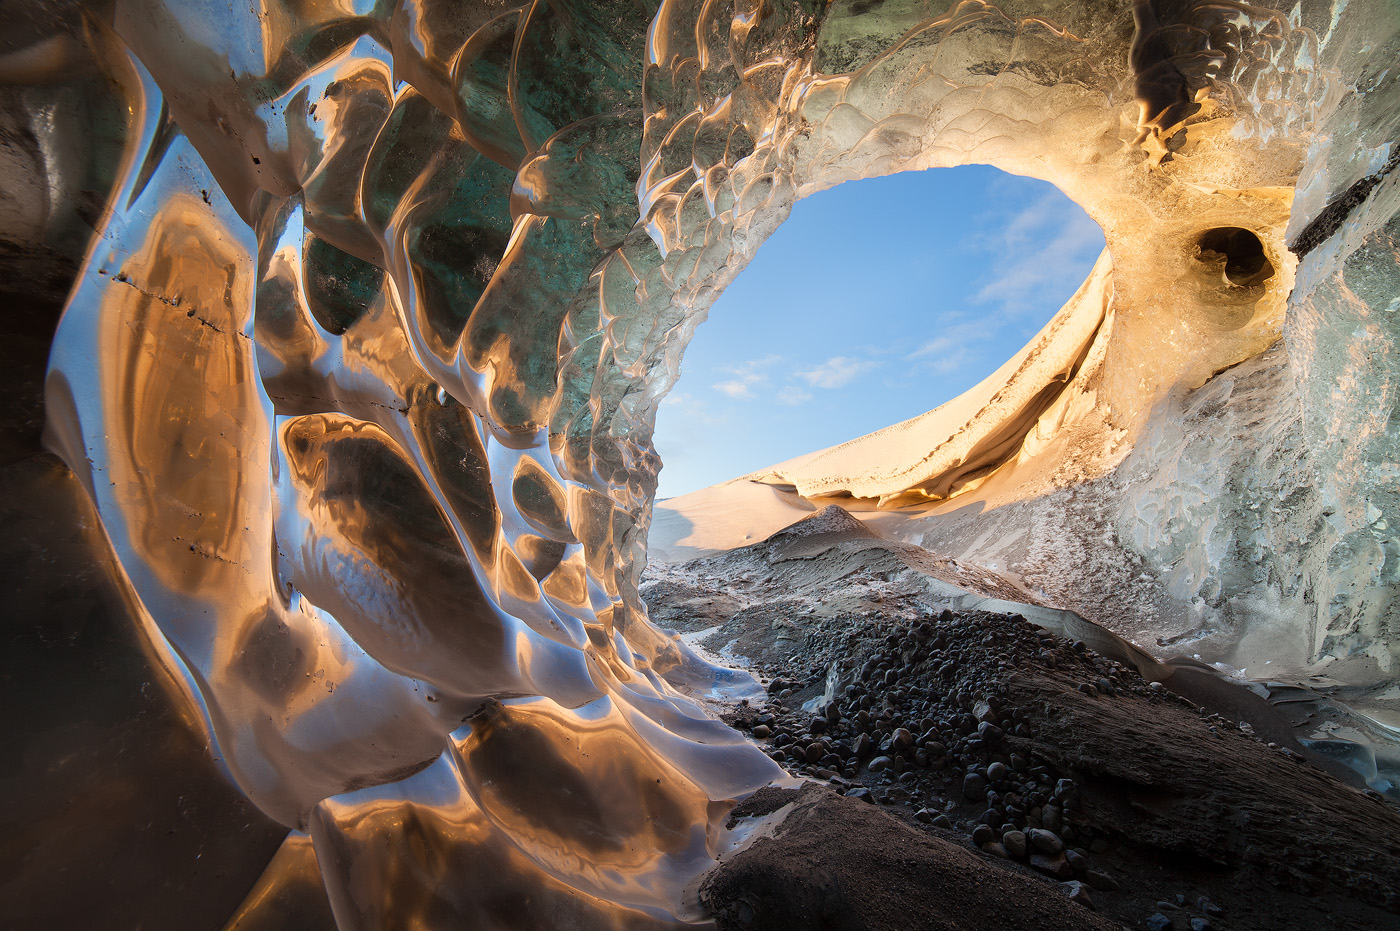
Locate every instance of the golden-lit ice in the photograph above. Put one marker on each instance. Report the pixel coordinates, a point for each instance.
(361, 372)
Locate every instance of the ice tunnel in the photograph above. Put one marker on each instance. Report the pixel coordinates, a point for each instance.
(362, 360)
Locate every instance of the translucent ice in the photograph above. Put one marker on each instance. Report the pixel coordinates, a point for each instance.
(361, 367)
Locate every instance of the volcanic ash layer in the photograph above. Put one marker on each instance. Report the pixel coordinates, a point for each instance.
(973, 770)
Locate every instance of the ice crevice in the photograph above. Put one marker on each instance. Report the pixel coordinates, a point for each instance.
(362, 362)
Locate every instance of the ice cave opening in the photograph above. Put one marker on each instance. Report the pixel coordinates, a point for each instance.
(952, 271)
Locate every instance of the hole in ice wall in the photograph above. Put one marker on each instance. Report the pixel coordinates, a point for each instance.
(875, 301)
(1237, 254)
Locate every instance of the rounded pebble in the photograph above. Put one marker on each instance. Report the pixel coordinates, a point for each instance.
(974, 787)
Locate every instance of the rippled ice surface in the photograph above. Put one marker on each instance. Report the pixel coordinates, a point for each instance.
(361, 368)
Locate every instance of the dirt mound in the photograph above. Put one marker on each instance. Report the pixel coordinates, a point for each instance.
(835, 864)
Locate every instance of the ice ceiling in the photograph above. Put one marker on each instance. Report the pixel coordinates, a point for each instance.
(362, 366)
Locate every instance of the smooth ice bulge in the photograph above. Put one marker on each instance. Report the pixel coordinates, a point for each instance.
(361, 368)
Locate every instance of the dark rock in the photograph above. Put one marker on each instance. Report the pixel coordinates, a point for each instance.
(1206, 906)
(1015, 843)
(982, 835)
(1045, 841)
(1077, 892)
(1076, 862)
(1101, 881)
(996, 772)
(762, 731)
(1158, 922)
(974, 787)
(1052, 865)
(902, 739)
(1202, 924)
(880, 764)
(995, 849)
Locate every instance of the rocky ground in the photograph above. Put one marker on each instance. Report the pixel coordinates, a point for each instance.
(957, 755)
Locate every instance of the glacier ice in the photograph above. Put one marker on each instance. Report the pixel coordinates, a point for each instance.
(361, 367)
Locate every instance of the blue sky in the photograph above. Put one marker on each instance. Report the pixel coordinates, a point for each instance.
(875, 301)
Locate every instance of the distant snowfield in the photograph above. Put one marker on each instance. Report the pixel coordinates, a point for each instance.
(720, 518)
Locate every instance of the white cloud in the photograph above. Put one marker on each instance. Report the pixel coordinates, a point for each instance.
(836, 372)
(793, 396)
(688, 407)
(950, 362)
(747, 376)
(952, 339)
(1035, 251)
(739, 388)
(1027, 224)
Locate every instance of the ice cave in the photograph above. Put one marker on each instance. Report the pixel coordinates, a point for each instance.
(335, 337)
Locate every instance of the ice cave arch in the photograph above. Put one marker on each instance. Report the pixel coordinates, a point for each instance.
(361, 369)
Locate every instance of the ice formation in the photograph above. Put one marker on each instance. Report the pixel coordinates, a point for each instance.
(361, 368)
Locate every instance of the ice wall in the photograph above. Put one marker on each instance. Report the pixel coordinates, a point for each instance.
(361, 369)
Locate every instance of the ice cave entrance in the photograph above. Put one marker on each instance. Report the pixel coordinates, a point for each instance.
(876, 301)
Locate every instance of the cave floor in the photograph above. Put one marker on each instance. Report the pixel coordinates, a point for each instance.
(922, 726)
